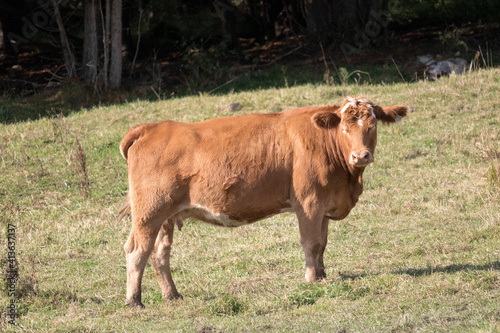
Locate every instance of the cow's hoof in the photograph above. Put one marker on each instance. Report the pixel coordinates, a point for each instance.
(134, 304)
(172, 297)
(313, 275)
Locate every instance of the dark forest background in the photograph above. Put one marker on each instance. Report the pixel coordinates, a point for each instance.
(166, 46)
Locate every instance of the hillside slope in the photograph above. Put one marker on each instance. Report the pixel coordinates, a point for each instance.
(420, 251)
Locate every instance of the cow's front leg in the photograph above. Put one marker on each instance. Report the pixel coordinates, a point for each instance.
(313, 238)
(160, 260)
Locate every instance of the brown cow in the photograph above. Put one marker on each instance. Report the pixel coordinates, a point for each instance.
(237, 170)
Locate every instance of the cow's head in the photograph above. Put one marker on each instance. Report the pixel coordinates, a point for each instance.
(357, 119)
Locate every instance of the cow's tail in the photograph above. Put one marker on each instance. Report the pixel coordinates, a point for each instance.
(125, 210)
(130, 138)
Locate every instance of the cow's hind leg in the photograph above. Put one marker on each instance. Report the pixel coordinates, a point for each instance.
(160, 260)
(137, 248)
(313, 238)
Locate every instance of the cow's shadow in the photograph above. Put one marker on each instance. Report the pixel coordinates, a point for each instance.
(417, 272)
(450, 269)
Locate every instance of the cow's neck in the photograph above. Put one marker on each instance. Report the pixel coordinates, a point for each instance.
(357, 182)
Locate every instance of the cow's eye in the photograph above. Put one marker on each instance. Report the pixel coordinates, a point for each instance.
(372, 127)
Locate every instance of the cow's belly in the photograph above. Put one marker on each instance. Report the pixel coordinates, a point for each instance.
(232, 201)
(227, 219)
(218, 218)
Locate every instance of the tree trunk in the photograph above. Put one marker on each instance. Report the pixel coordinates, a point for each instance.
(105, 26)
(262, 20)
(69, 59)
(364, 9)
(225, 11)
(2, 44)
(115, 69)
(317, 18)
(328, 19)
(90, 48)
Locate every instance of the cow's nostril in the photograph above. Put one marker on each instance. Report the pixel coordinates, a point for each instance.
(366, 155)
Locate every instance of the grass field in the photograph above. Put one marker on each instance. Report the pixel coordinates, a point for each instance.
(419, 252)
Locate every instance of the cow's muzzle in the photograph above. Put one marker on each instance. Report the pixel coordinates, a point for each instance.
(361, 158)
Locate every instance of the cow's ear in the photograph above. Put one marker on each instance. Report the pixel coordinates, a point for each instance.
(391, 114)
(326, 119)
